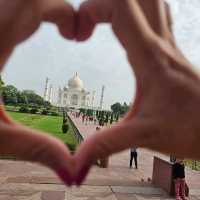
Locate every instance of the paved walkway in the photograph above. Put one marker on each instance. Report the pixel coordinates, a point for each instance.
(118, 171)
(26, 181)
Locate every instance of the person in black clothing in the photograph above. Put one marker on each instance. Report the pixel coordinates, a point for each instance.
(179, 179)
(133, 155)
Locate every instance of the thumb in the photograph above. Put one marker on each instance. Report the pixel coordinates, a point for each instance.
(62, 14)
(138, 132)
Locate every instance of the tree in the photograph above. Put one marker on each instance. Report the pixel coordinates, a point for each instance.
(33, 98)
(21, 98)
(116, 108)
(101, 118)
(24, 109)
(107, 117)
(1, 84)
(82, 110)
(117, 117)
(89, 112)
(9, 95)
(102, 115)
(111, 118)
(65, 127)
(98, 115)
(124, 108)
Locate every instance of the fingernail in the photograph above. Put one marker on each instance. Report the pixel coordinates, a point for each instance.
(81, 175)
(64, 175)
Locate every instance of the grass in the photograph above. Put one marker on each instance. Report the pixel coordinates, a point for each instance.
(49, 124)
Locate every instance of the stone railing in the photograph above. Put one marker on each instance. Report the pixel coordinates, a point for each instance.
(163, 175)
(103, 163)
(77, 134)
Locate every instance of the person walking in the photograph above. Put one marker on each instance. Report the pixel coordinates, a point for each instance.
(133, 155)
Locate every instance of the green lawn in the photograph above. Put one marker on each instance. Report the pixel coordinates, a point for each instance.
(49, 124)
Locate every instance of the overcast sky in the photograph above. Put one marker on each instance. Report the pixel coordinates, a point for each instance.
(99, 61)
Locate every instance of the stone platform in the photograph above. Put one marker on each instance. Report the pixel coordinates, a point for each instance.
(26, 181)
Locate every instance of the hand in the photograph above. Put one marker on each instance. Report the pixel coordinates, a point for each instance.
(29, 145)
(19, 19)
(165, 115)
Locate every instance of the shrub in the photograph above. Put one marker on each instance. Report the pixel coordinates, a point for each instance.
(45, 112)
(33, 110)
(24, 109)
(65, 128)
(64, 120)
(54, 114)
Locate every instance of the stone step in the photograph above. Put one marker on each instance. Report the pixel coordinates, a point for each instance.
(60, 192)
(94, 182)
(13, 191)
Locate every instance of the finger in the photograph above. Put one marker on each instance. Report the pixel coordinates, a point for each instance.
(169, 17)
(163, 54)
(132, 29)
(157, 15)
(164, 29)
(137, 133)
(29, 145)
(95, 11)
(181, 63)
(90, 13)
(164, 22)
(63, 15)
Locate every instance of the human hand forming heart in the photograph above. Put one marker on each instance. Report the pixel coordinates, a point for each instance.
(19, 19)
(165, 114)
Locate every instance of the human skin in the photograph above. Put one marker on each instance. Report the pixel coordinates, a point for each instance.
(165, 115)
(19, 19)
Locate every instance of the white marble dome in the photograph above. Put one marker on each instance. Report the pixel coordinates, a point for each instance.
(74, 94)
(76, 83)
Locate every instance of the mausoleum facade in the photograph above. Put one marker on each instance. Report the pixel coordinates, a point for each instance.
(74, 94)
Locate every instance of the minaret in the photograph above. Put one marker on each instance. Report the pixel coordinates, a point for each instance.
(59, 96)
(46, 89)
(50, 94)
(92, 98)
(102, 97)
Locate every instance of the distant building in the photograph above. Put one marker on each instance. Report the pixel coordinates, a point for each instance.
(74, 94)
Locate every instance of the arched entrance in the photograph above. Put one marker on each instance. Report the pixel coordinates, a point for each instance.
(74, 100)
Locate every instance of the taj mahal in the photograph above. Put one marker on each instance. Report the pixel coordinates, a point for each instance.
(73, 94)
